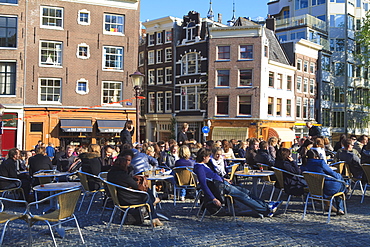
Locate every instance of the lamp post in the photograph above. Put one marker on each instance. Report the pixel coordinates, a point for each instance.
(137, 80)
(2, 109)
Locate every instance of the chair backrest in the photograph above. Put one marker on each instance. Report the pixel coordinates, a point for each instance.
(347, 171)
(113, 191)
(366, 168)
(233, 170)
(315, 182)
(83, 179)
(103, 176)
(340, 166)
(184, 176)
(67, 201)
(279, 177)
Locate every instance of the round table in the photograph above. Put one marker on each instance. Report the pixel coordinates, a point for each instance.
(255, 174)
(51, 174)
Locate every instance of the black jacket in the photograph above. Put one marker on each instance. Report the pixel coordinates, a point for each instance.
(250, 155)
(8, 169)
(314, 131)
(264, 157)
(118, 176)
(182, 137)
(126, 136)
(91, 163)
(39, 162)
(292, 185)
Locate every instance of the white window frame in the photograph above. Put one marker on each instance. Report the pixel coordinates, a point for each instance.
(299, 65)
(160, 76)
(305, 66)
(251, 81)
(167, 35)
(168, 101)
(141, 58)
(151, 39)
(311, 111)
(305, 85)
(151, 95)
(299, 104)
(312, 86)
(168, 54)
(87, 51)
(84, 11)
(240, 52)
(185, 64)
(10, 77)
(159, 56)
(58, 52)
(305, 105)
(184, 98)
(159, 38)
(118, 103)
(299, 84)
(168, 75)
(312, 68)
(239, 106)
(151, 77)
(114, 24)
(151, 57)
(289, 83)
(116, 54)
(40, 101)
(81, 91)
(279, 80)
(51, 17)
(160, 101)
(190, 31)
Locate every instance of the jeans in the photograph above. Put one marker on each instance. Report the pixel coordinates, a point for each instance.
(245, 196)
(338, 202)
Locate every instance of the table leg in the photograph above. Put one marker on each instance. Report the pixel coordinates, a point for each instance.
(254, 186)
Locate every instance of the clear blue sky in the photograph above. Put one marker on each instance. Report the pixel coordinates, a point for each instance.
(152, 9)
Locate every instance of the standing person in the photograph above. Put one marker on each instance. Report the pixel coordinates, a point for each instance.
(50, 150)
(313, 131)
(39, 161)
(240, 194)
(39, 144)
(182, 136)
(127, 133)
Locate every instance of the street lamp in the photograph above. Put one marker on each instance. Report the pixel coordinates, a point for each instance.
(2, 109)
(137, 80)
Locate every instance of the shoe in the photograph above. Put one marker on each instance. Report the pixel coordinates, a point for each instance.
(333, 209)
(182, 198)
(157, 200)
(340, 212)
(274, 207)
(157, 222)
(260, 216)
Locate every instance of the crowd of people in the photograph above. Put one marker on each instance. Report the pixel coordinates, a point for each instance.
(208, 161)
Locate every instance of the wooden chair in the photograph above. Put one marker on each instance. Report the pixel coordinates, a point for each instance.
(315, 182)
(66, 202)
(279, 173)
(86, 190)
(7, 217)
(125, 208)
(184, 180)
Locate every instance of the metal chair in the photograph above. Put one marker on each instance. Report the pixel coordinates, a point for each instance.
(17, 186)
(351, 179)
(315, 182)
(279, 173)
(125, 208)
(103, 178)
(234, 167)
(339, 165)
(66, 202)
(7, 217)
(184, 180)
(84, 179)
(366, 168)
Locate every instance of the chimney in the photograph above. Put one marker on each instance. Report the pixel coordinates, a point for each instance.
(219, 19)
(271, 23)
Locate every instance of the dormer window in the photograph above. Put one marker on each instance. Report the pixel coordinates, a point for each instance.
(190, 31)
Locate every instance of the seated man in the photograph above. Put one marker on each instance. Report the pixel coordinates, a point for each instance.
(64, 162)
(351, 159)
(240, 194)
(9, 169)
(39, 162)
(263, 156)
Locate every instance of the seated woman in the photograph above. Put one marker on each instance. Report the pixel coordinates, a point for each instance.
(172, 156)
(91, 163)
(243, 149)
(218, 163)
(331, 185)
(293, 185)
(119, 174)
(184, 161)
(227, 151)
(240, 194)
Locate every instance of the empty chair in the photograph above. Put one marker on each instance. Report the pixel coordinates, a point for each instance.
(17, 186)
(66, 202)
(366, 168)
(86, 179)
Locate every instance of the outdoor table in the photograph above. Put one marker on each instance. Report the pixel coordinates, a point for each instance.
(156, 178)
(51, 174)
(255, 174)
(55, 188)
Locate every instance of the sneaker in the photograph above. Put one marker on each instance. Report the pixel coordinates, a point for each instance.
(274, 207)
(182, 198)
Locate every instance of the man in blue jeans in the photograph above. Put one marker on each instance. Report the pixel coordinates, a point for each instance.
(204, 174)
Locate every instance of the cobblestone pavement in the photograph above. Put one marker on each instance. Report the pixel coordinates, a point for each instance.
(184, 229)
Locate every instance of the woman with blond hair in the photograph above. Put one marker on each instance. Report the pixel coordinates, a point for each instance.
(319, 146)
(272, 142)
(91, 163)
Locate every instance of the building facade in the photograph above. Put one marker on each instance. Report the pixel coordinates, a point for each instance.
(71, 63)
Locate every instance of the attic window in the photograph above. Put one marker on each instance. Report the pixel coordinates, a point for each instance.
(190, 31)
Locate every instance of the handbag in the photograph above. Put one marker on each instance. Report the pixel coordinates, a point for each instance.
(142, 182)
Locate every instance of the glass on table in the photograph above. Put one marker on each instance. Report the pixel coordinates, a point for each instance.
(246, 169)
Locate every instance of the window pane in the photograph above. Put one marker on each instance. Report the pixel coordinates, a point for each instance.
(223, 77)
(246, 77)
(222, 105)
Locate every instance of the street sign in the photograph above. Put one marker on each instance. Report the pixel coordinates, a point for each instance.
(205, 129)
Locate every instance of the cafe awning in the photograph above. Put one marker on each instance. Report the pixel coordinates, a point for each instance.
(285, 134)
(111, 126)
(76, 125)
(228, 133)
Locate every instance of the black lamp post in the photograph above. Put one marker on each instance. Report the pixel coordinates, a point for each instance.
(137, 80)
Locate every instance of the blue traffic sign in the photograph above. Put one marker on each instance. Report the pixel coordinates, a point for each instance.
(205, 129)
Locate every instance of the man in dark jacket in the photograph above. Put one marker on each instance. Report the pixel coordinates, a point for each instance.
(39, 161)
(263, 156)
(313, 131)
(351, 159)
(252, 152)
(127, 133)
(67, 159)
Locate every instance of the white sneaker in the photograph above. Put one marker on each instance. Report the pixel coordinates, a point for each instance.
(182, 198)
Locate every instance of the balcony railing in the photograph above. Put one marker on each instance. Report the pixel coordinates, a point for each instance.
(302, 20)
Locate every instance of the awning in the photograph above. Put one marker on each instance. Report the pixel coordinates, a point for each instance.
(76, 125)
(111, 126)
(228, 133)
(285, 134)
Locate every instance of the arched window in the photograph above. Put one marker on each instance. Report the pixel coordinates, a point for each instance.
(190, 64)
